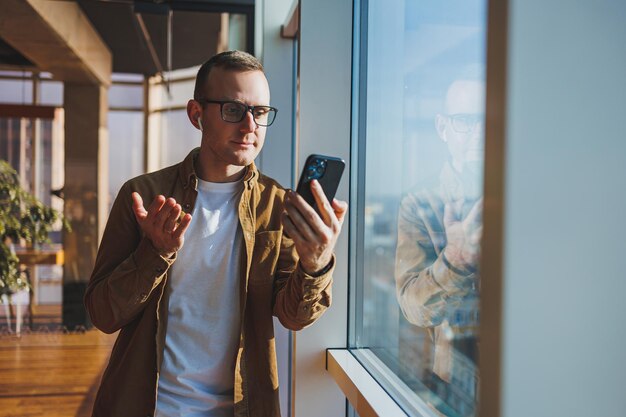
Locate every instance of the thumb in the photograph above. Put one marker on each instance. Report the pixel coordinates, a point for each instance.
(341, 208)
(476, 213)
(138, 208)
(449, 217)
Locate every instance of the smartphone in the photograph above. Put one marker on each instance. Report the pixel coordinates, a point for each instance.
(326, 170)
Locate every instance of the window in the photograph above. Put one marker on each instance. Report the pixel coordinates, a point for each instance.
(170, 130)
(125, 149)
(417, 210)
(126, 130)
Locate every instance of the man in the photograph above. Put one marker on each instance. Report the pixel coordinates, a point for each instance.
(439, 230)
(192, 280)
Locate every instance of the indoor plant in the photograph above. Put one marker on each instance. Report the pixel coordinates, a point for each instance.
(23, 220)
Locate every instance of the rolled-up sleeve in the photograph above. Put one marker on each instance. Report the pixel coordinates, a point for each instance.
(299, 298)
(127, 269)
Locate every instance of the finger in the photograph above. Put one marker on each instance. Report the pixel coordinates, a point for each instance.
(448, 216)
(155, 207)
(164, 213)
(138, 208)
(182, 227)
(299, 222)
(322, 202)
(477, 234)
(341, 208)
(457, 207)
(476, 213)
(310, 216)
(170, 223)
(291, 229)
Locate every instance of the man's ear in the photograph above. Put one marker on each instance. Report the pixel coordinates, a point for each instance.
(194, 112)
(440, 125)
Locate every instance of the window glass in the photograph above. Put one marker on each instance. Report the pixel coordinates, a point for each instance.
(126, 149)
(180, 91)
(126, 96)
(51, 93)
(126, 77)
(16, 91)
(419, 201)
(237, 31)
(175, 135)
(4, 73)
(171, 132)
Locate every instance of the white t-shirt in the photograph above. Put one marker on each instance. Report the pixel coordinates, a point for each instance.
(203, 323)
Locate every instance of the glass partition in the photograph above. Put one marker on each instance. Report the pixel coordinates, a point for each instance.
(418, 207)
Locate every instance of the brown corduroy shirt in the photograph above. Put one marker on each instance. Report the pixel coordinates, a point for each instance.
(129, 278)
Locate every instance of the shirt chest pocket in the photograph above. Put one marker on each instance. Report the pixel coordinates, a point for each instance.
(265, 256)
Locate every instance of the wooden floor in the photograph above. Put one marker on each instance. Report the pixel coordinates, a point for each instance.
(51, 373)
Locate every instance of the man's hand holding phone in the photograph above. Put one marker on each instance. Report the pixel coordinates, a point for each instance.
(463, 234)
(314, 235)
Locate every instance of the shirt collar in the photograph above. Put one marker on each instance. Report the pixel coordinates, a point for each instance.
(189, 177)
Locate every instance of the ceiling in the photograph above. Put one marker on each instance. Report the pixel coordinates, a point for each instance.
(9, 56)
(195, 29)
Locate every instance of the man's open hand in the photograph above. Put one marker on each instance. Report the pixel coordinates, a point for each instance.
(160, 223)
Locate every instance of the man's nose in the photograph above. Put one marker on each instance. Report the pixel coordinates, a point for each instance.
(478, 129)
(248, 124)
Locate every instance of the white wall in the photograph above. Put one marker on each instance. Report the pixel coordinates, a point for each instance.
(276, 54)
(278, 61)
(325, 78)
(564, 344)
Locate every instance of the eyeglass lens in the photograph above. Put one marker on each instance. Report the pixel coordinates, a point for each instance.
(465, 123)
(235, 112)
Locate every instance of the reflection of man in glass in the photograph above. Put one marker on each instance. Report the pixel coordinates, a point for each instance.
(439, 231)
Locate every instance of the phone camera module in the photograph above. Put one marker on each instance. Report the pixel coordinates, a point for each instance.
(316, 169)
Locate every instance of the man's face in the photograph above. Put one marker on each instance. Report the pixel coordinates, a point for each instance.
(233, 143)
(462, 128)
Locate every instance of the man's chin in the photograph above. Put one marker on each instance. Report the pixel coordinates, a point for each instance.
(243, 158)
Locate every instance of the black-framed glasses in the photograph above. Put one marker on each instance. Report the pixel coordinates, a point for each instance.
(466, 123)
(235, 111)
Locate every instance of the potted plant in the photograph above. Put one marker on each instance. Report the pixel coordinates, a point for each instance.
(23, 220)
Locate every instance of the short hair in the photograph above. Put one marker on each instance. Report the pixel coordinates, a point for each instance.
(229, 60)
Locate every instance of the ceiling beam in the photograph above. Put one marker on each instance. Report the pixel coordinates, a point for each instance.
(57, 37)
